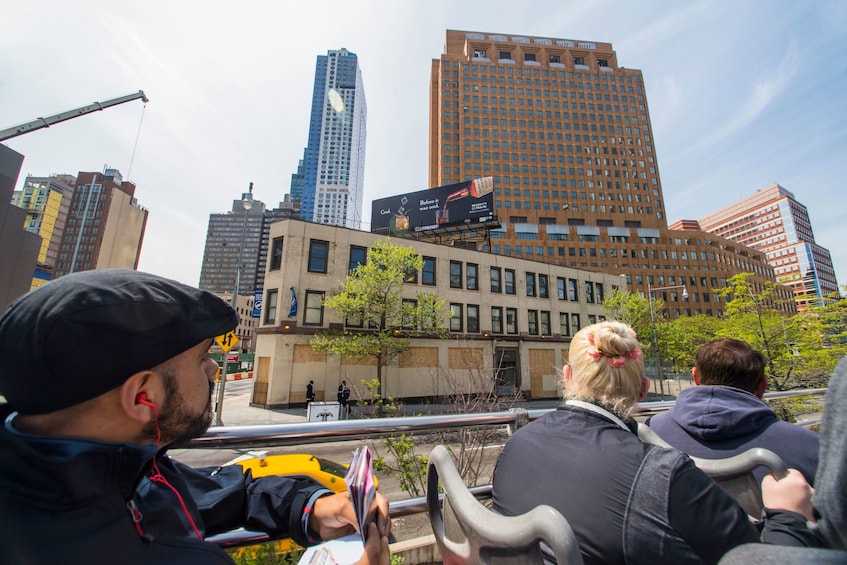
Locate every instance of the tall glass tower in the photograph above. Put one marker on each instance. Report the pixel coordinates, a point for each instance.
(334, 159)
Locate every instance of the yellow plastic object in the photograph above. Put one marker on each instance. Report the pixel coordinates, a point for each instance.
(301, 466)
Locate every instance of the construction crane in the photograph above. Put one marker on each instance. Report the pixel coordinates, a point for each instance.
(39, 123)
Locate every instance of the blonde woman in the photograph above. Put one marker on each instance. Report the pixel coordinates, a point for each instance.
(630, 502)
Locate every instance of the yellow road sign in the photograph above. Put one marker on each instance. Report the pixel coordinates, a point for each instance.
(227, 341)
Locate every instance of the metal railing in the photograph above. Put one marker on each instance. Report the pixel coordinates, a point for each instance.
(275, 435)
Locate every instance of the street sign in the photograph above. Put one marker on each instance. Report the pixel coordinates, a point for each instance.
(227, 341)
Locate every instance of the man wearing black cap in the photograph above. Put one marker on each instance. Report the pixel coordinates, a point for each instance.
(102, 371)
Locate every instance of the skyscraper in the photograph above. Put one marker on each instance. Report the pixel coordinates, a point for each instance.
(334, 160)
(46, 201)
(564, 130)
(105, 225)
(773, 221)
(233, 236)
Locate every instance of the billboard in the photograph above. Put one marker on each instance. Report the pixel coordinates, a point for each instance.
(435, 210)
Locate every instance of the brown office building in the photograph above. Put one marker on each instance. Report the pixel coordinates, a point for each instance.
(565, 132)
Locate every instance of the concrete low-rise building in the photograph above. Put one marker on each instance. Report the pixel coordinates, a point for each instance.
(510, 331)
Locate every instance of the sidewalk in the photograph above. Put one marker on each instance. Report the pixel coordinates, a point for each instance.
(238, 412)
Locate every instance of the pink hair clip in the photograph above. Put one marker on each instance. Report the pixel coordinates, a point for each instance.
(590, 338)
(635, 353)
(594, 353)
(617, 361)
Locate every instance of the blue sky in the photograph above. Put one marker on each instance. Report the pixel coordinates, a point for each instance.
(742, 94)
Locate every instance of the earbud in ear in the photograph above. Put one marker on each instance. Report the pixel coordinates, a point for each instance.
(141, 398)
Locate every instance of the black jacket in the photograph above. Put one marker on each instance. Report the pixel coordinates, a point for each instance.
(627, 502)
(70, 501)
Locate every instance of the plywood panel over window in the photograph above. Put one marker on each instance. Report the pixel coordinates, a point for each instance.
(305, 354)
(260, 385)
(419, 357)
(543, 373)
(464, 358)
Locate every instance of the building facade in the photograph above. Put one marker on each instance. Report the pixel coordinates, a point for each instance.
(105, 225)
(232, 239)
(19, 248)
(774, 222)
(46, 201)
(511, 325)
(224, 246)
(334, 159)
(565, 132)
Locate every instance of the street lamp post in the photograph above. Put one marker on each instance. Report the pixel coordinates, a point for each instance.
(247, 203)
(650, 291)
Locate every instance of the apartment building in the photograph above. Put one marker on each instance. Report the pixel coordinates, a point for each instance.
(334, 160)
(512, 319)
(774, 222)
(105, 225)
(46, 201)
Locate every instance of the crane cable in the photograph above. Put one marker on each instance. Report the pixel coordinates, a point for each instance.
(135, 146)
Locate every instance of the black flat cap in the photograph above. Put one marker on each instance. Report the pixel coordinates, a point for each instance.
(84, 334)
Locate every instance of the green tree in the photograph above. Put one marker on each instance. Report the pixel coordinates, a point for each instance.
(682, 337)
(801, 350)
(634, 310)
(372, 298)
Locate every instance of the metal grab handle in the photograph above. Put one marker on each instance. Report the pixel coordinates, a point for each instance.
(729, 467)
(491, 537)
(743, 463)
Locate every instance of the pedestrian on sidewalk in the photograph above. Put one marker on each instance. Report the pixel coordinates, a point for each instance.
(343, 396)
(310, 391)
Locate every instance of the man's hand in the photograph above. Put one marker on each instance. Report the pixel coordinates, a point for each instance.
(333, 516)
(376, 550)
(791, 493)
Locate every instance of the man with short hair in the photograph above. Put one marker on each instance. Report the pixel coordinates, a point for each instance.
(724, 415)
(102, 372)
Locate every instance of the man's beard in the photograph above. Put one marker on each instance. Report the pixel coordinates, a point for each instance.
(175, 424)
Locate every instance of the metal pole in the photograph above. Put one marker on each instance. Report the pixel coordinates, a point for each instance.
(656, 342)
(219, 404)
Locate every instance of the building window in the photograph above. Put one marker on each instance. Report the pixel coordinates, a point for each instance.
(408, 314)
(505, 54)
(589, 292)
(601, 295)
(455, 317)
(532, 322)
(574, 323)
(545, 322)
(511, 320)
(564, 324)
(318, 251)
(276, 254)
(358, 255)
(313, 313)
(472, 276)
(455, 274)
(473, 318)
(510, 281)
(428, 271)
(542, 287)
(496, 275)
(573, 293)
(496, 319)
(560, 288)
(530, 284)
(270, 306)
